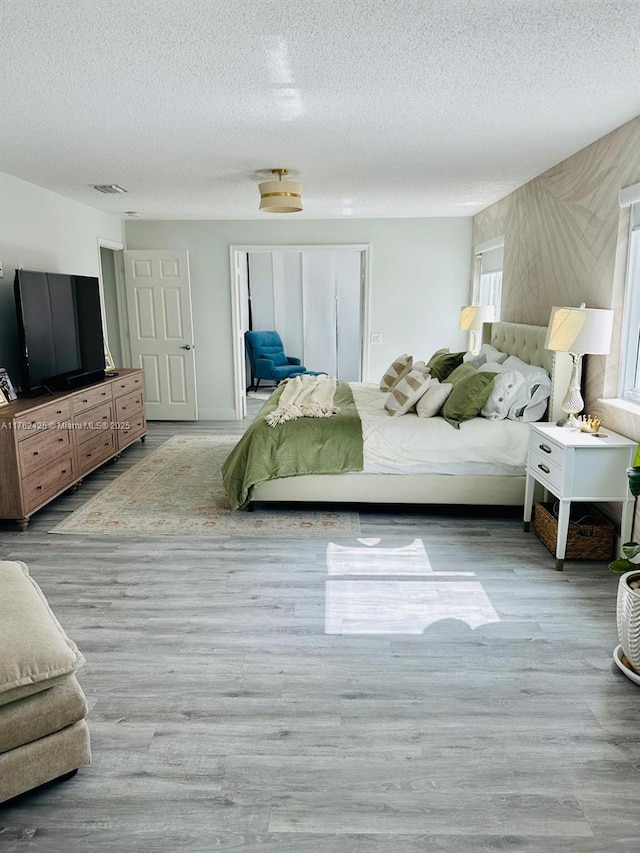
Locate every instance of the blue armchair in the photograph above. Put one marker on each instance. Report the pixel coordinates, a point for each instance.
(268, 359)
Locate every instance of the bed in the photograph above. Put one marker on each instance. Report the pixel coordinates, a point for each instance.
(480, 481)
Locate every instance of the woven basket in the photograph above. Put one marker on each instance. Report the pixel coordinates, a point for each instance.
(628, 618)
(590, 535)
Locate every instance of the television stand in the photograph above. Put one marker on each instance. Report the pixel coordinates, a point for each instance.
(48, 444)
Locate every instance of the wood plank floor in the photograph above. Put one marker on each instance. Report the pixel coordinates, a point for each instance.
(224, 717)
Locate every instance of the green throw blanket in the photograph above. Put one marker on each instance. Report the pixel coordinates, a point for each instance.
(303, 446)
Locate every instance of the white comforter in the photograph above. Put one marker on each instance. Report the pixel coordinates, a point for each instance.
(412, 445)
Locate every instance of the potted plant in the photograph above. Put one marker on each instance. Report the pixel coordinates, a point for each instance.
(633, 474)
(627, 653)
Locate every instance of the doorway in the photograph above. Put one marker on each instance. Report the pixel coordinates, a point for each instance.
(316, 297)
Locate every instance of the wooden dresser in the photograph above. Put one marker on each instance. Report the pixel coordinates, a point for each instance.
(49, 443)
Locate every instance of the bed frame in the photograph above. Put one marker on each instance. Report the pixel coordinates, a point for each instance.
(525, 342)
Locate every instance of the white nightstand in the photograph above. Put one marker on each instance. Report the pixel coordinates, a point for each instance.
(577, 466)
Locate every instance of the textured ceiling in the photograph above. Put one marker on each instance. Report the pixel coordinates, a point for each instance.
(384, 108)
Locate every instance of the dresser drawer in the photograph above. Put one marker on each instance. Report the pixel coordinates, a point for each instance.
(100, 418)
(41, 419)
(42, 447)
(137, 427)
(47, 482)
(96, 450)
(546, 471)
(129, 405)
(124, 384)
(90, 397)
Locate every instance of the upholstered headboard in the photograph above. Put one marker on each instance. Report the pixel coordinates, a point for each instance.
(527, 342)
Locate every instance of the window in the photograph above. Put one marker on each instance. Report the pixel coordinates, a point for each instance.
(630, 374)
(488, 283)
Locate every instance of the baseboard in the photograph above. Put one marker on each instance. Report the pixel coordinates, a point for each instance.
(216, 414)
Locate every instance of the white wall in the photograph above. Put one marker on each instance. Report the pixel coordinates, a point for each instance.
(43, 231)
(420, 272)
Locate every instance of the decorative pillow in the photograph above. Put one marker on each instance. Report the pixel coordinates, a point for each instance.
(487, 353)
(494, 367)
(35, 651)
(406, 392)
(442, 363)
(531, 400)
(467, 397)
(402, 364)
(503, 394)
(461, 372)
(429, 405)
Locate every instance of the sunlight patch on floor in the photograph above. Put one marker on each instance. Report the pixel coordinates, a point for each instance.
(372, 606)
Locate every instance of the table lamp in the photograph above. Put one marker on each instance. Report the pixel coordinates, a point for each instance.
(578, 331)
(473, 316)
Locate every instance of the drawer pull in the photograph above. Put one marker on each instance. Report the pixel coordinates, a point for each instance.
(544, 468)
(64, 471)
(36, 453)
(39, 488)
(61, 441)
(545, 448)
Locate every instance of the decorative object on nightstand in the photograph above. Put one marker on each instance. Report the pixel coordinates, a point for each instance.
(589, 423)
(472, 318)
(578, 331)
(578, 467)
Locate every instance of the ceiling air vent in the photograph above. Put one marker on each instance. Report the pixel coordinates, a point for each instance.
(110, 189)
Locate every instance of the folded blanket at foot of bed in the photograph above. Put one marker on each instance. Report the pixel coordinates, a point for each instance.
(305, 445)
(305, 396)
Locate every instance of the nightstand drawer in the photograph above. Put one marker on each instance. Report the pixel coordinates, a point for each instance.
(541, 445)
(545, 470)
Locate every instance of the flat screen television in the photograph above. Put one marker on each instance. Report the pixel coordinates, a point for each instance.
(59, 329)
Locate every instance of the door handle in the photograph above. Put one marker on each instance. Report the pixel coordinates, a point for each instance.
(186, 346)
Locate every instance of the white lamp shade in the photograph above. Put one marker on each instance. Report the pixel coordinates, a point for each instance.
(280, 196)
(580, 330)
(473, 316)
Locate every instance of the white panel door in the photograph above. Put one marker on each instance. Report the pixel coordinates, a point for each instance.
(158, 294)
(319, 311)
(349, 310)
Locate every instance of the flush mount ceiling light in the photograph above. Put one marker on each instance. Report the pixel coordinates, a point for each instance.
(280, 196)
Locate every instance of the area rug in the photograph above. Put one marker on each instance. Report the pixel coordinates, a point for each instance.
(178, 490)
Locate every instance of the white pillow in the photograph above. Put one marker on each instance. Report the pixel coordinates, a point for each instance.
(531, 400)
(503, 394)
(487, 353)
(406, 392)
(494, 367)
(434, 399)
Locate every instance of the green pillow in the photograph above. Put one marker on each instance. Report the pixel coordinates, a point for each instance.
(442, 364)
(467, 397)
(461, 372)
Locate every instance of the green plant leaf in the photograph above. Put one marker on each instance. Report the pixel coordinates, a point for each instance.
(636, 460)
(621, 566)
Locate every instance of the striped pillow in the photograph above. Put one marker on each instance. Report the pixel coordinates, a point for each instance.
(406, 392)
(399, 367)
